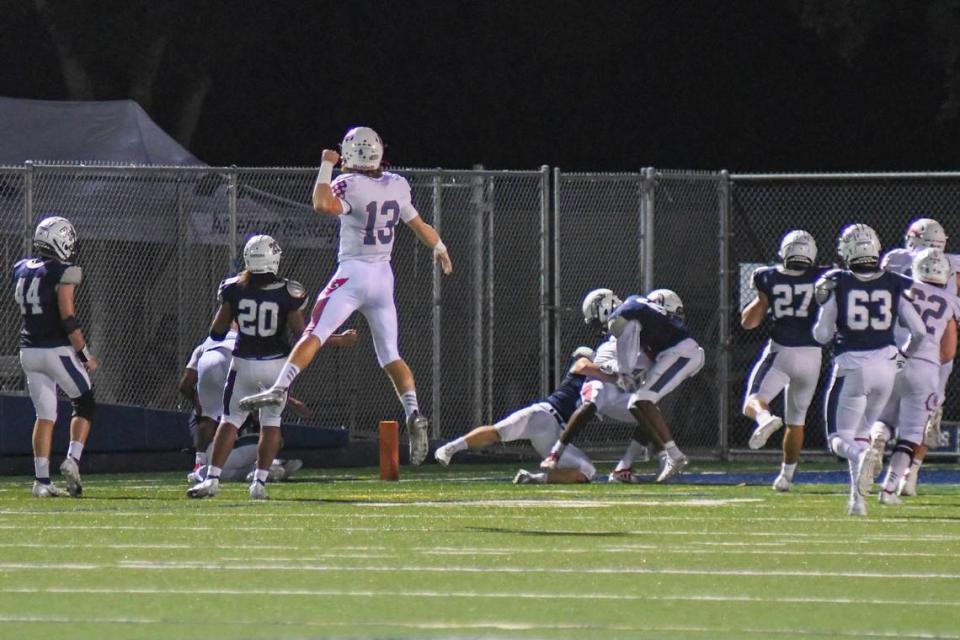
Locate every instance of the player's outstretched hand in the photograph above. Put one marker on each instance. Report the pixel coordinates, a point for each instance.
(329, 155)
(299, 408)
(91, 364)
(348, 338)
(444, 259)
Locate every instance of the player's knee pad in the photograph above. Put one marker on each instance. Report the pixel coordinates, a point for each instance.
(84, 406)
(907, 447)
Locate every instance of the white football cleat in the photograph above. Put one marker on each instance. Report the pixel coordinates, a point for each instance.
(550, 462)
(444, 454)
(763, 432)
(197, 476)
(71, 473)
(890, 499)
(418, 428)
(290, 467)
(525, 477)
(258, 491)
(931, 430)
(867, 470)
(276, 473)
(782, 483)
(907, 487)
(623, 476)
(857, 505)
(672, 467)
(46, 490)
(272, 397)
(206, 489)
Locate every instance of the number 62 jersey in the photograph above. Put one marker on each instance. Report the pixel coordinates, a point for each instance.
(792, 304)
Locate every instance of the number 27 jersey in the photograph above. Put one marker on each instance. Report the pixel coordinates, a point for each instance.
(373, 208)
(792, 303)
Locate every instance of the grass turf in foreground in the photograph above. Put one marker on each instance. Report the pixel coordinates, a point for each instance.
(445, 553)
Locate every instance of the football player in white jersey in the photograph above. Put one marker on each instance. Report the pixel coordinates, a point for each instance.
(368, 202)
(924, 233)
(790, 362)
(916, 393)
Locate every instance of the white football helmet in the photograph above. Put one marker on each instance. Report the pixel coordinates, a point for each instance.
(667, 299)
(55, 237)
(598, 305)
(798, 250)
(925, 232)
(583, 352)
(261, 254)
(859, 247)
(932, 266)
(361, 149)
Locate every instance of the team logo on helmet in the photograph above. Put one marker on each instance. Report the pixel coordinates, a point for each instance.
(925, 232)
(261, 254)
(55, 237)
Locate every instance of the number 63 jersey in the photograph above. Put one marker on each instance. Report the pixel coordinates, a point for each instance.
(261, 315)
(792, 303)
(372, 207)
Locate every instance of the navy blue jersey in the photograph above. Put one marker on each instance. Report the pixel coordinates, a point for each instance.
(866, 310)
(658, 331)
(261, 315)
(793, 305)
(35, 283)
(566, 397)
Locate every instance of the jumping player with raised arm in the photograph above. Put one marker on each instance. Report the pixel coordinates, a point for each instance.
(859, 306)
(53, 351)
(790, 361)
(265, 307)
(916, 392)
(540, 423)
(368, 202)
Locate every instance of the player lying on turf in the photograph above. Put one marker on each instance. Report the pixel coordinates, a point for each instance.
(915, 395)
(859, 306)
(924, 233)
(368, 202)
(654, 354)
(265, 307)
(540, 423)
(53, 351)
(241, 464)
(790, 361)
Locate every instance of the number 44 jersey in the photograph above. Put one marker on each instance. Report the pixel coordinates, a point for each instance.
(792, 303)
(261, 315)
(371, 209)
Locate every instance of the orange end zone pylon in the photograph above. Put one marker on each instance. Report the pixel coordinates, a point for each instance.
(389, 450)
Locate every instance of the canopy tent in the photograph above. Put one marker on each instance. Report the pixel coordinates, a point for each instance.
(112, 131)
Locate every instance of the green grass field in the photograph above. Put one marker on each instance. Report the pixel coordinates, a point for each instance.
(450, 553)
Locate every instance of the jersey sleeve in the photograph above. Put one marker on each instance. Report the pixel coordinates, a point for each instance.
(298, 295)
(195, 358)
(71, 275)
(758, 281)
(407, 211)
(339, 188)
(225, 293)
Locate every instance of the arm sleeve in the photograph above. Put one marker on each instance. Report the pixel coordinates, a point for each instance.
(826, 326)
(628, 346)
(71, 275)
(195, 358)
(910, 319)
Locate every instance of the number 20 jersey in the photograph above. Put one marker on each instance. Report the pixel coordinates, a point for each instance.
(261, 316)
(867, 310)
(792, 303)
(373, 208)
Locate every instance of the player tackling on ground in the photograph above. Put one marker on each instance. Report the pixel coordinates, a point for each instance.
(541, 424)
(53, 352)
(369, 202)
(790, 362)
(859, 306)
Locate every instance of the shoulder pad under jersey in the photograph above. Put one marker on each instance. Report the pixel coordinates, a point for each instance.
(826, 284)
(295, 289)
(71, 275)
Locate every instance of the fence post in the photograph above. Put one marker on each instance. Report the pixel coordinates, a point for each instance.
(648, 201)
(545, 281)
(435, 364)
(489, 210)
(28, 208)
(555, 312)
(232, 211)
(477, 315)
(723, 356)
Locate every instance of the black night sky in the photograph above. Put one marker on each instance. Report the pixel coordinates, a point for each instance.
(780, 85)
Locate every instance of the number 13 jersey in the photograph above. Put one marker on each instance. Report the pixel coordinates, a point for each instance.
(372, 208)
(792, 303)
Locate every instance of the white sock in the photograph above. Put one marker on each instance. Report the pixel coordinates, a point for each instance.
(199, 459)
(287, 375)
(540, 478)
(261, 475)
(41, 469)
(853, 467)
(844, 449)
(634, 449)
(900, 461)
(763, 417)
(409, 401)
(672, 450)
(458, 445)
(788, 470)
(75, 450)
(213, 473)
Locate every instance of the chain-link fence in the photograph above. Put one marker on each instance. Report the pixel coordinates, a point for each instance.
(154, 243)
(494, 336)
